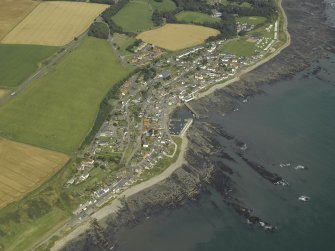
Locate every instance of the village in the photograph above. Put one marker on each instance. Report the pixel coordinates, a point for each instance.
(139, 140)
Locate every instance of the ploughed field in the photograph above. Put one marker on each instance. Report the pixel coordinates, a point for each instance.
(174, 37)
(54, 23)
(12, 12)
(23, 168)
(58, 110)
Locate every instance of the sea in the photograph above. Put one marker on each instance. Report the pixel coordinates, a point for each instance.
(292, 124)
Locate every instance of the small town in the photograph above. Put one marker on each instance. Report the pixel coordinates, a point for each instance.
(140, 139)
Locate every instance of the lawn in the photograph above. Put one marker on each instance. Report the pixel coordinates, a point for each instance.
(239, 47)
(253, 20)
(59, 109)
(134, 17)
(195, 17)
(165, 5)
(18, 62)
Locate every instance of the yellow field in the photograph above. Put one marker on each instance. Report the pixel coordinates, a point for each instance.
(174, 37)
(23, 168)
(54, 23)
(12, 12)
(3, 93)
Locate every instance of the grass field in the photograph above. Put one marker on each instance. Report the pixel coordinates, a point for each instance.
(175, 37)
(23, 168)
(254, 20)
(135, 16)
(239, 47)
(165, 5)
(12, 12)
(18, 62)
(123, 41)
(58, 110)
(195, 17)
(54, 23)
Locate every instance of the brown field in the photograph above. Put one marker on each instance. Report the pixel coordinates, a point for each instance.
(54, 23)
(3, 93)
(174, 37)
(23, 168)
(12, 12)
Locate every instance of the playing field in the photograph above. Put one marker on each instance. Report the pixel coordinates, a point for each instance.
(175, 37)
(196, 17)
(58, 110)
(12, 12)
(135, 16)
(18, 62)
(255, 20)
(240, 47)
(23, 168)
(54, 23)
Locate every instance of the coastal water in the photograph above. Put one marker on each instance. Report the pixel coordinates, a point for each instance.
(292, 123)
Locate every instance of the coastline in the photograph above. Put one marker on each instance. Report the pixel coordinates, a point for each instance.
(254, 66)
(116, 205)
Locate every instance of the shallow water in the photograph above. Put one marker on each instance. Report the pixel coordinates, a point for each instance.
(293, 123)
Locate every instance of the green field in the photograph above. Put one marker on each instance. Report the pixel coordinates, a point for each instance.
(58, 110)
(239, 47)
(254, 20)
(18, 62)
(165, 5)
(135, 16)
(195, 17)
(123, 41)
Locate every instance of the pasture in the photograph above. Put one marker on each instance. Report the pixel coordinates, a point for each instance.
(195, 17)
(12, 12)
(174, 37)
(18, 62)
(58, 110)
(135, 16)
(252, 20)
(23, 168)
(123, 41)
(54, 23)
(165, 5)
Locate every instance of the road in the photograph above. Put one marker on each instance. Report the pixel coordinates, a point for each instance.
(44, 69)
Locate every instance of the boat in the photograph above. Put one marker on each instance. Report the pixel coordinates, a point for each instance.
(304, 198)
(298, 167)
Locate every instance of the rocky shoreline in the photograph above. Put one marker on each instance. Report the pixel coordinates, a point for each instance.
(311, 40)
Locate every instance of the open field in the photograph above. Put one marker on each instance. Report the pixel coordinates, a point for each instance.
(58, 110)
(165, 5)
(240, 47)
(195, 17)
(135, 16)
(175, 37)
(40, 27)
(18, 62)
(255, 20)
(23, 168)
(12, 12)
